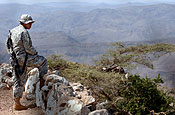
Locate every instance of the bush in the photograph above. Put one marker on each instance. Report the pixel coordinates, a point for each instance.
(56, 62)
(143, 96)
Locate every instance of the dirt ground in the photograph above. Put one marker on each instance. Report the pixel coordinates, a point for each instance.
(6, 105)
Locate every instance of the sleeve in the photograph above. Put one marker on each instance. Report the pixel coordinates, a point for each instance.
(28, 44)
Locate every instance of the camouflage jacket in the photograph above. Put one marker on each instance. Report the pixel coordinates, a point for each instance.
(22, 43)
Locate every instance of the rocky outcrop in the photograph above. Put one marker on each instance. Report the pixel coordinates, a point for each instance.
(60, 97)
(6, 77)
(57, 97)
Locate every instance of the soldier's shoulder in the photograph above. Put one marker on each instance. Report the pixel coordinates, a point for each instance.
(19, 29)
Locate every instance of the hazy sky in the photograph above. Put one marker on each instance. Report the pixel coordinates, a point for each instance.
(91, 1)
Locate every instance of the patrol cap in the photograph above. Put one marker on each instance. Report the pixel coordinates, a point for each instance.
(25, 18)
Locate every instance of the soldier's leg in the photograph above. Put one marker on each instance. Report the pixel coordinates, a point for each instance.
(18, 89)
(41, 63)
(38, 61)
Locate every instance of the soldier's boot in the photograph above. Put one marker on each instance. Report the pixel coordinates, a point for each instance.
(17, 105)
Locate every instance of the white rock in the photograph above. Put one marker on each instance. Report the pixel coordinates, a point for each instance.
(77, 86)
(39, 99)
(87, 100)
(56, 79)
(31, 83)
(51, 104)
(82, 93)
(99, 112)
(74, 108)
(45, 88)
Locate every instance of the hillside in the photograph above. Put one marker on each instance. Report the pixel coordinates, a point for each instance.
(126, 23)
(108, 25)
(61, 43)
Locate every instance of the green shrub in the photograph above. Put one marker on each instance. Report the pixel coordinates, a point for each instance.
(143, 96)
(56, 62)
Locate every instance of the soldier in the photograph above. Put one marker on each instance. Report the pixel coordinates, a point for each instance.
(23, 55)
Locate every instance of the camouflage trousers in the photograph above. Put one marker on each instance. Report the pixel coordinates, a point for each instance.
(33, 61)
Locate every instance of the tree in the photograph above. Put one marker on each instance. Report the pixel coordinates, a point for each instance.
(131, 56)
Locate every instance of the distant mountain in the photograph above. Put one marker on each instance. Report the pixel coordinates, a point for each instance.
(109, 25)
(53, 38)
(60, 43)
(129, 22)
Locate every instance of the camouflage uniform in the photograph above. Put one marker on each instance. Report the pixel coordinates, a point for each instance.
(22, 44)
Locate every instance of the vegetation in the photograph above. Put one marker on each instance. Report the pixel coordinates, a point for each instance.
(130, 56)
(142, 96)
(134, 94)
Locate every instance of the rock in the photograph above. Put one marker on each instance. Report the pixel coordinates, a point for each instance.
(61, 101)
(99, 112)
(53, 78)
(31, 83)
(6, 74)
(83, 93)
(45, 88)
(101, 105)
(51, 104)
(58, 97)
(88, 100)
(56, 72)
(4, 65)
(39, 98)
(77, 86)
(171, 104)
(74, 107)
(9, 82)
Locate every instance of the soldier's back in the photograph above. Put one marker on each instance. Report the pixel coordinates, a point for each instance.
(16, 36)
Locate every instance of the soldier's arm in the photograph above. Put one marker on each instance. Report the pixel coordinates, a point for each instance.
(28, 44)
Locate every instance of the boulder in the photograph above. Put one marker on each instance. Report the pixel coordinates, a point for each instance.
(30, 85)
(53, 78)
(99, 112)
(39, 98)
(61, 100)
(6, 75)
(83, 94)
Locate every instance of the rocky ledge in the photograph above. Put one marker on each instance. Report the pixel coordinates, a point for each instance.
(57, 97)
